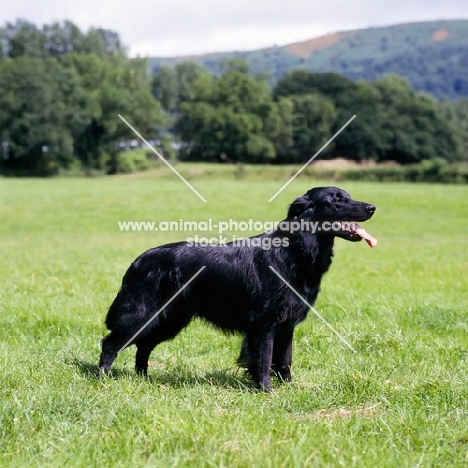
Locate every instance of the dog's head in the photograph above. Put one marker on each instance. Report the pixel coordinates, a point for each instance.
(335, 211)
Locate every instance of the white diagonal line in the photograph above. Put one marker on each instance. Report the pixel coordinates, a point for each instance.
(314, 311)
(162, 159)
(161, 309)
(312, 158)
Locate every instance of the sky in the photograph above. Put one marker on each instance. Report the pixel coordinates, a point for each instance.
(167, 28)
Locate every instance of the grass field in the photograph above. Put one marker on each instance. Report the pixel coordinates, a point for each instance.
(400, 401)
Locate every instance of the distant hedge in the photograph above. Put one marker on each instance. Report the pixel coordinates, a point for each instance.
(435, 171)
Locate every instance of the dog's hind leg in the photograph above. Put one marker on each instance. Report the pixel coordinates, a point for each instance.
(142, 355)
(168, 326)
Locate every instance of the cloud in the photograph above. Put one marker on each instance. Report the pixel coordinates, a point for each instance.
(179, 27)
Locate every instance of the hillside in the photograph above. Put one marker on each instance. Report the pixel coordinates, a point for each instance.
(433, 56)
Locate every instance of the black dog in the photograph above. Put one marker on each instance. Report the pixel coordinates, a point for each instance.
(237, 291)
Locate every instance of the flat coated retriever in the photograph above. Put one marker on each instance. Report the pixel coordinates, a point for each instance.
(237, 291)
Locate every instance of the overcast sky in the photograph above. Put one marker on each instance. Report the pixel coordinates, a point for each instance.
(181, 27)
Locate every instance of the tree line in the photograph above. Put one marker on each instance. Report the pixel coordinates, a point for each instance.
(61, 91)
(238, 118)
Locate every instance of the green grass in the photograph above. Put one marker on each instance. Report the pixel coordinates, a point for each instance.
(400, 401)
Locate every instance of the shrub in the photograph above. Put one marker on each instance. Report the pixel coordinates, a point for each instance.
(132, 161)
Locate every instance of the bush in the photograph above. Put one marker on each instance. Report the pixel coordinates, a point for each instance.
(132, 161)
(436, 170)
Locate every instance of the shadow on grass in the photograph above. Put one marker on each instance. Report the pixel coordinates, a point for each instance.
(178, 376)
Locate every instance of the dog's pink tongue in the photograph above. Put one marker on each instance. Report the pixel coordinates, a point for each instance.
(371, 241)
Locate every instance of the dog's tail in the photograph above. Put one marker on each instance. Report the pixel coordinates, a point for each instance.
(114, 312)
(123, 307)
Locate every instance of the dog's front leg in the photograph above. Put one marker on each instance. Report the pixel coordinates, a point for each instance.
(282, 352)
(260, 344)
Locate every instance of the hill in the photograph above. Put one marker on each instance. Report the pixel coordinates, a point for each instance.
(433, 56)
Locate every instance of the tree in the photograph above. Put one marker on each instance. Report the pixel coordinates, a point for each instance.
(187, 74)
(59, 39)
(165, 87)
(393, 121)
(103, 43)
(24, 39)
(235, 64)
(301, 81)
(53, 113)
(362, 139)
(311, 118)
(37, 117)
(348, 98)
(173, 86)
(411, 124)
(60, 95)
(228, 118)
(456, 115)
(113, 86)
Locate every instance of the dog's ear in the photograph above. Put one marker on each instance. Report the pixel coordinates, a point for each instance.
(299, 207)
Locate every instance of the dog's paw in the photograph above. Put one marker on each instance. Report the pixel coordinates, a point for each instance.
(100, 372)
